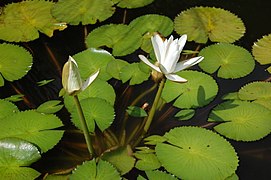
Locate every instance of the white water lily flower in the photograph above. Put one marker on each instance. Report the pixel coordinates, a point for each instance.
(71, 79)
(167, 54)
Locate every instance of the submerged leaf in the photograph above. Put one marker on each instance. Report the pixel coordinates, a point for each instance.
(100, 171)
(261, 50)
(200, 90)
(242, 121)
(50, 107)
(15, 98)
(97, 111)
(146, 161)
(84, 11)
(203, 23)
(15, 61)
(230, 61)
(7, 108)
(193, 153)
(33, 127)
(31, 17)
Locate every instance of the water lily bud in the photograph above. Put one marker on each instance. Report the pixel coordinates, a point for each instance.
(71, 79)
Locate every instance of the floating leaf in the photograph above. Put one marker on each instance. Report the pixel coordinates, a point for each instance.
(185, 114)
(133, 3)
(201, 23)
(14, 153)
(91, 60)
(7, 108)
(136, 111)
(100, 171)
(15, 98)
(15, 62)
(121, 159)
(159, 175)
(33, 127)
(193, 153)
(114, 67)
(229, 60)
(99, 88)
(146, 161)
(97, 111)
(135, 73)
(255, 90)
(50, 107)
(154, 139)
(121, 38)
(231, 96)
(85, 11)
(200, 90)
(242, 121)
(31, 17)
(261, 50)
(44, 82)
(150, 24)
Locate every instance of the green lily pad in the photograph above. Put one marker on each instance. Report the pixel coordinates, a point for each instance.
(121, 38)
(31, 17)
(15, 153)
(50, 107)
(150, 24)
(91, 60)
(85, 11)
(193, 153)
(33, 127)
(97, 111)
(114, 67)
(201, 23)
(121, 158)
(15, 98)
(7, 108)
(44, 82)
(154, 139)
(258, 92)
(229, 60)
(99, 88)
(146, 161)
(185, 114)
(135, 72)
(261, 50)
(98, 171)
(159, 175)
(15, 62)
(242, 121)
(136, 111)
(132, 3)
(200, 90)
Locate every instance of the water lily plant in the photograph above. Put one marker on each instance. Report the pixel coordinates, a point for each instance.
(71, 79)
(167, 54)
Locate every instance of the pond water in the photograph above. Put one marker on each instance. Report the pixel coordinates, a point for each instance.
(255, 157)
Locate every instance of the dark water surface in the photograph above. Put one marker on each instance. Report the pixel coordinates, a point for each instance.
(255, 157)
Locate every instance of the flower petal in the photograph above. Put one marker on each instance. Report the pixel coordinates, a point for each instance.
(158, 47)
(175, 78)
(187, 63)
(172, 56)
(89, 80)
(181, 42)
(146, 61)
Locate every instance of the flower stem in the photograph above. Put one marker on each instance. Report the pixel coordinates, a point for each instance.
(154, 107)
(84, 125)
